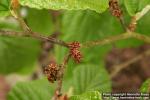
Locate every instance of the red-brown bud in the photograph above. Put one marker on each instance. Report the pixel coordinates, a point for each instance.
(75, 52)
(114, 8)
(51, 72)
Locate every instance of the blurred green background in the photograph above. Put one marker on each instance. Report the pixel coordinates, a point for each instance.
(20, 55)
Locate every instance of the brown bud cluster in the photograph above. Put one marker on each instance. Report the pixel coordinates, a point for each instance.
(52, 71)
(75, 52)
(114, 8)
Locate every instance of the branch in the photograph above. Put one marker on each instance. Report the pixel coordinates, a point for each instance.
(84, 45)
(104, 41)
(29, 32)
(46, 45)
(11, 33)
(145, 10)
(116, 38)
(132, 25)
(60, 81)
(120, 67)
(138, 16)
(121, 19)
(141, 37)
(34, 35)
(16, 14)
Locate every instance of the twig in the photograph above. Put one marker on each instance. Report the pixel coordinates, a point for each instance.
(122, 66)
(46, 45)
(35, 35)
(145, 10)
(122, 23)
(30, 33)
(15, 12)
(84, 45)
(22, 23)
(60, 81)
(138, 16)
(53, 40)
(11, 33)
(45, 58)
(116, 38)
(132, 24)
(142, 37)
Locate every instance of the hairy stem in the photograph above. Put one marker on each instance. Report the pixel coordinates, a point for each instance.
(60, 81)
(35, 36)
(116, 38)
(145, 10)
(122, 23)
(30, 33)
(104, 41)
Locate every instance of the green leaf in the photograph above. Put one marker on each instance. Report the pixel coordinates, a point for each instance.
(134, 6)
(96, 5)
(86, 26)
(89, 77)
(9, 24)
(143, 3)
(131, 6)
(4, 7)
(142, 25)
(17, 54)
(95, 95)
(35, 90)
(146, 86)
(42, 23)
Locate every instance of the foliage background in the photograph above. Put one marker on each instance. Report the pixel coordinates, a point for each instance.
(78, 21)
